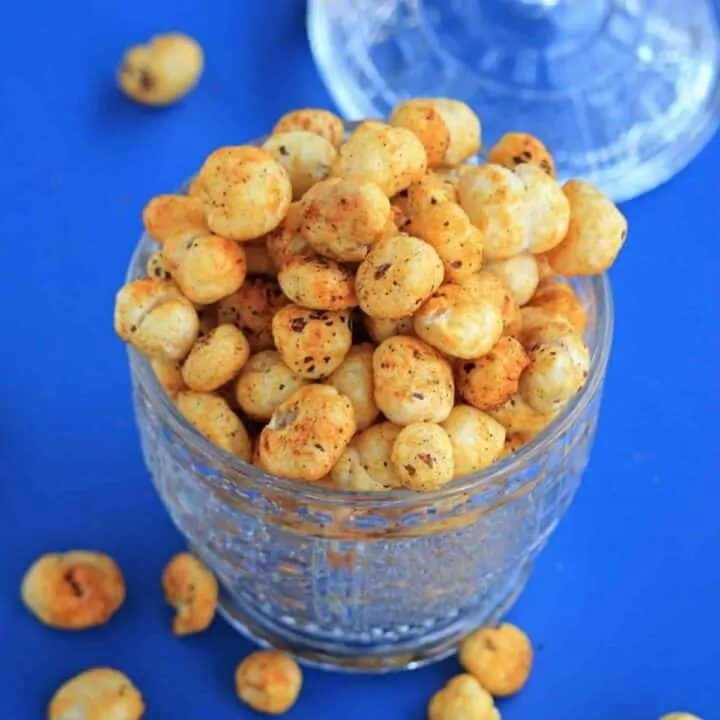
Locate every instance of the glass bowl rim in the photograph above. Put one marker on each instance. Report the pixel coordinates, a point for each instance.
(306, 492)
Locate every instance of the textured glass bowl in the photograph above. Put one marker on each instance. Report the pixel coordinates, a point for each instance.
(369, 582)
(624, 92)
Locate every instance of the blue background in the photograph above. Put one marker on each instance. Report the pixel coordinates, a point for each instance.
(623, 603)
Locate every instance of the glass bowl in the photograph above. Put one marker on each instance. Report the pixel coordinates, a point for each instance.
(368, 582)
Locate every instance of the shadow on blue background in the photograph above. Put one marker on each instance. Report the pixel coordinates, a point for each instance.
(623, 603)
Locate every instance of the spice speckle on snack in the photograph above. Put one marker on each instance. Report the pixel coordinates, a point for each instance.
(379, 277)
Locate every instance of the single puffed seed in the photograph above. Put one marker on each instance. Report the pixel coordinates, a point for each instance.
(251, 309)
(192, 590)
(350, 475)
(374, 447)
(559, 366)
(494, 199)
(312, 343)
(680, 716)
(264, 382)
(321, 122)
(423, 456)
(499, 658)
(397, 276)
(519, 273)
(285, 241)
(354, 379)
(391, 157)
(464, 127)
(459, 324)
(306, 156)
(174, 216)
(97, 694)
(490, 381)
(307, 433)
(596, 233)
(156, 319)
(341, 218)
(413, 381)
(210, 269)
(73, 590)
(547, 210)
(463, 698)
(477, 439)
(315, 282)
(268, 681)
(216, 358)
(212, 416)
(515, 149)
(246, 192)
(161, 72)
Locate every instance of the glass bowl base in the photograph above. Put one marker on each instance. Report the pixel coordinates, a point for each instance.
(624, 92)
(377, 659)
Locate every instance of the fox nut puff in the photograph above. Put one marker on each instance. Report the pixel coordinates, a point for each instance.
(192, 590)
(245, 191)
(307, 433)
(413, 381)
(73, 590)
(156, 319)
(97, 694)
(162, 71)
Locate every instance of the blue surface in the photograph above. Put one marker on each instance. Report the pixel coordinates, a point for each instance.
(623, 603)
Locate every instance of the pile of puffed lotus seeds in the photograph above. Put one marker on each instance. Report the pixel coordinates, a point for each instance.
(371, 312)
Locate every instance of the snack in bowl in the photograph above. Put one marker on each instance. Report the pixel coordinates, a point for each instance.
(396, 317)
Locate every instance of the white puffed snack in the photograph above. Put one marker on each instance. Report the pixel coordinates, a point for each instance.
(515, 149)
(558, 368)
(488, 382)
(354, 379)
(477, 439)
(463, 698)
(464, 127)
(314, 120)
(306, 156)
(374, 448)
(314, 282)
(312, 343)
(156, 319)
(209, 268)
(97, 694)
(215, 359)
(413, 381)
(349, 474)
(494, 199)
(547, 210)
(397, 276)
(519, 273)
(341, 218)
(285, 241)
(307, 433)
(212, 416)
(251, 309)
(246, 192)
(455, 322)
(596, 233)
(391, 157)
(423, 456)
(264, 382)
(167, 216)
